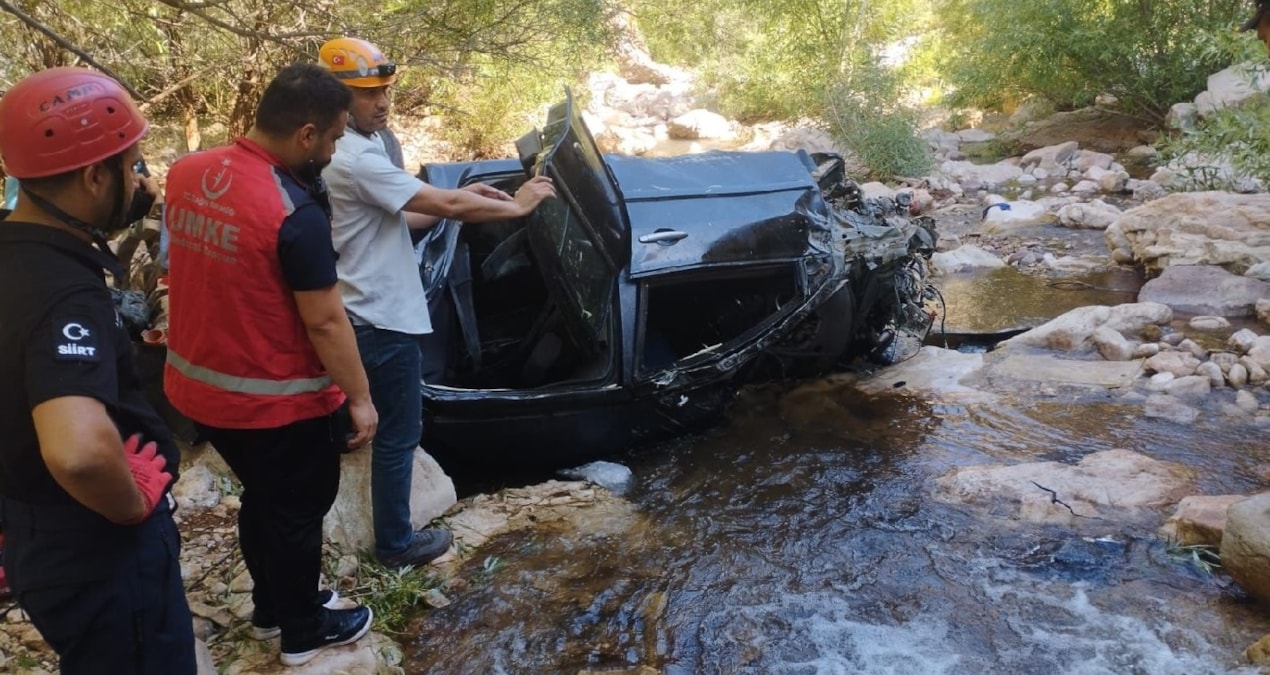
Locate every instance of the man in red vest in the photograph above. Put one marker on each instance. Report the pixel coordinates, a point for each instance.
(261, 353)
(90, 546)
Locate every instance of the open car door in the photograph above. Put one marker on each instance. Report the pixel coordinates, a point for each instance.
(582, 238)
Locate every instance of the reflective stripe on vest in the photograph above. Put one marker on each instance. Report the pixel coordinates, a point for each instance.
(247, 385)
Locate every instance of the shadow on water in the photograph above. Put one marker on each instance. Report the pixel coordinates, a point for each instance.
(802, 538)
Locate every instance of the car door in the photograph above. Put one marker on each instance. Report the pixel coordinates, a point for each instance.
(581, 239)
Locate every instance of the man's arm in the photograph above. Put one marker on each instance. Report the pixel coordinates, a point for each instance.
(82, 450)
(328, 328)
(472, 206)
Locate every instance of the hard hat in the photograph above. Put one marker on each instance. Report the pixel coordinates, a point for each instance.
(62, 119)
(357, 63)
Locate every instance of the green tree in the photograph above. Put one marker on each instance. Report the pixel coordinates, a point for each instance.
(1148, 53)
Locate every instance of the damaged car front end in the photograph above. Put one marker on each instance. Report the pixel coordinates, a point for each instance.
(632, 307)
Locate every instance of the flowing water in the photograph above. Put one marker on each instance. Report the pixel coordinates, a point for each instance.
(802, 538)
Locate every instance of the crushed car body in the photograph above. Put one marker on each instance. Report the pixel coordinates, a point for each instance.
(632, 307)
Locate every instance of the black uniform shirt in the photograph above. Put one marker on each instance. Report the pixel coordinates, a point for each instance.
(60, 336)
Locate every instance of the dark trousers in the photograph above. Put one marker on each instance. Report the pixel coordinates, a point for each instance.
(290, 476)
(107, 598)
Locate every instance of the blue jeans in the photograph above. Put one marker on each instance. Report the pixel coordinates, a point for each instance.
(394, 366)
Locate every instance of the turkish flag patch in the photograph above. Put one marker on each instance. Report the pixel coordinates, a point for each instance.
(337, 60)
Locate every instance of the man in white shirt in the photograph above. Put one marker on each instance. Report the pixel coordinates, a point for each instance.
(375, 205)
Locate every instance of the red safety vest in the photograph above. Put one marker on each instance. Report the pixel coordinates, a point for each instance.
(238, 354)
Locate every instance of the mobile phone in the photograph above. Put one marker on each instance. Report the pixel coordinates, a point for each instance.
(342, 430)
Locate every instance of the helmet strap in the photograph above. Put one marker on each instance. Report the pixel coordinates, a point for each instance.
(98, 236)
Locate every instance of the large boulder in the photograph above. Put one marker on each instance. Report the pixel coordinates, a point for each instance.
(1200, 520)
(1196, 228)
(1206, 290)
(349, 523)
(1101, 483)
(964, 258)
(1245, 546)
(1074, 331)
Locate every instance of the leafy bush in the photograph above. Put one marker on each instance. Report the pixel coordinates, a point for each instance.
(1237, 137)
(884, 136)
(1147, 54)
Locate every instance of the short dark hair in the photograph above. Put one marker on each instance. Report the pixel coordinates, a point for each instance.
(300, 94)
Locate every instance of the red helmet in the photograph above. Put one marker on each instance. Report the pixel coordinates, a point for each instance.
(63, 119)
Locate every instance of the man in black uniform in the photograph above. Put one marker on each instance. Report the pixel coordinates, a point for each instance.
(91, 550)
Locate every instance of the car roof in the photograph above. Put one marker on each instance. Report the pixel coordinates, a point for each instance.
(733, 207)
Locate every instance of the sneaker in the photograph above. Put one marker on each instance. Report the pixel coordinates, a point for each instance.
(338, 627)
(426, 545)
(264, 626)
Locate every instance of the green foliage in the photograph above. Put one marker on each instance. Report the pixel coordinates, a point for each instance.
(394, 595)
(1202, 557)
(883, 136)
(796, 59)
(1240, 135)
(1148, 54)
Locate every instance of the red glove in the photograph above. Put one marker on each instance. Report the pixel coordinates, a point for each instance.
(149, 470)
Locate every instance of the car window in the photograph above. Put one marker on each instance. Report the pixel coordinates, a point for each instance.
(698, 317)
(585, 275)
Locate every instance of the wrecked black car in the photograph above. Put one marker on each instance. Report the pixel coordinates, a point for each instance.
(631, 308)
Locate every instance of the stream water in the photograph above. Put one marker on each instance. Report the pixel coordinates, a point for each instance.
(802, 538)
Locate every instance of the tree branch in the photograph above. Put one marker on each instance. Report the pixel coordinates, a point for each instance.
(66, 44)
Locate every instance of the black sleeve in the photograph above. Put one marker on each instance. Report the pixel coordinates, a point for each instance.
(305, 250)
(72, 351)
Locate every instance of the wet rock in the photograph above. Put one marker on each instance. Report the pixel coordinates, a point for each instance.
(1259, 352)
(1192, 347)
(1242, 340)
(1210, 370)
(1056, 492)
(1245, 546)
(1205, 290)
(964, 258)
(1263, 310)
(1172, 339)
(611, 476)
(1238, 375)
(1146, 350)
(1260, 271)
(1224, 360)
(1209, 323)
(348, 524)
(933, 370)
(1074, 330)
(1013, 365)
(1165, 407)
(1096, 215)
(1191, 386)
(1199, 520)
(1246, 401)
(1111, 345)
(1256, 374)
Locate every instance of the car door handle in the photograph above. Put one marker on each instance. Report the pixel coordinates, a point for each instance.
(663, 237)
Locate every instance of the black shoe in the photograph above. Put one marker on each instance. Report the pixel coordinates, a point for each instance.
(264, 625)
(337, 627)
(425, 546)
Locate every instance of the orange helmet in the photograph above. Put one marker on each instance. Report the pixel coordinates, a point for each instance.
(357, 63)
(62, 119)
